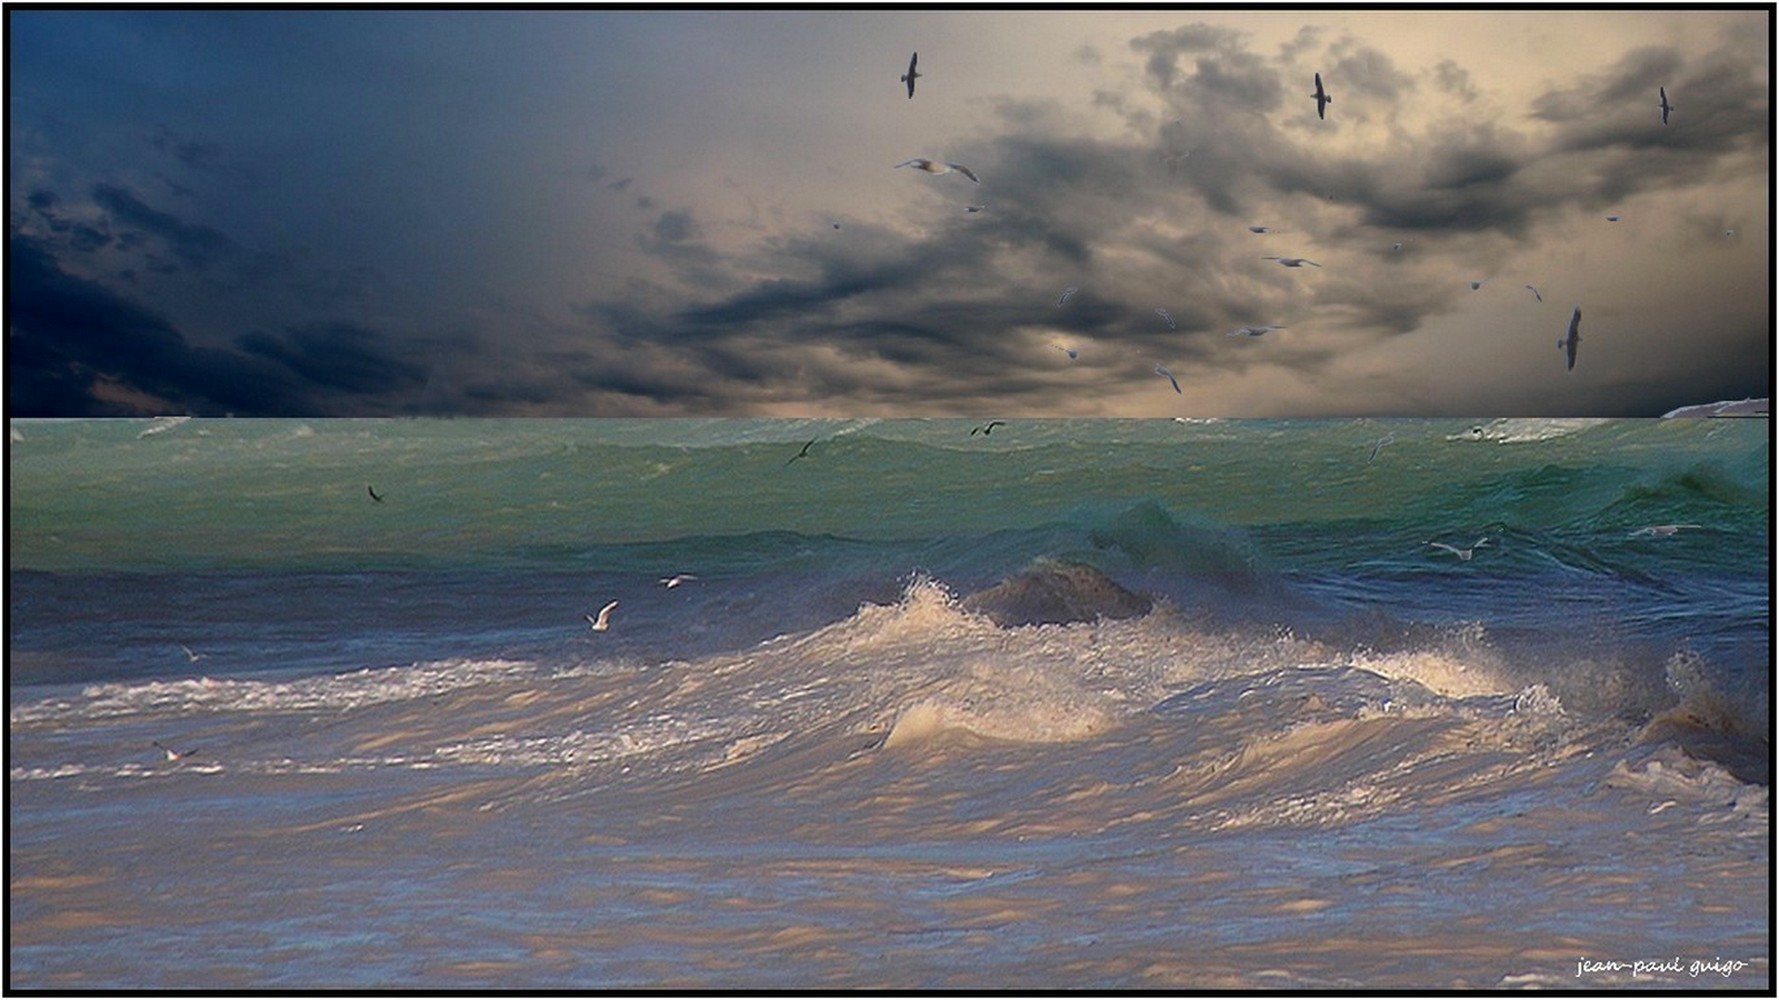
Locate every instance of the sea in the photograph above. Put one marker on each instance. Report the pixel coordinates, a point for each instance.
(1418, 704)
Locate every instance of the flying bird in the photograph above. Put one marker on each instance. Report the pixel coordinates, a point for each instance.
(1535, 293)
(1386, 439)
(1254, 331)
(972, 209)
(1395, 248)
(675, 580)
(1292, 261)
(1322, 98)
(194, 657)
(909, 77)
(1164, 314)
(935, 167)
(604, 621)
(804, 453)
(1477, 285)
(1666, 107)
(989, 428)
(1612, 218)
(171, 753)
(1568, 343)
(1261, 230)
(373, 492)
(1462, 554)
(1164, 373)
(1662, 530)
(1065, 295)
(1072, 352)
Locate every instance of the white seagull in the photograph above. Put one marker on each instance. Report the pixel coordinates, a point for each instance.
(1535, 293)
(1462, 554)
(1164, 373)
(170, 752)
(909, 77)
(1164, 314)
(1322, 98)
(1254, 331)
(604, 621)
(1666, 107)
(935, 167)
(194, 657)
(674, 580)
(1662, 530)
(1568, 343)
(1065, 295)
(1292, 261)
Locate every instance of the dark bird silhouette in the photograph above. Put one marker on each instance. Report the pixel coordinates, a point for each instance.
(910, 76)
(804, 453)
(1568, 343)
(989, 428)
(1322, 98)
(1666, 107)
(373, 492)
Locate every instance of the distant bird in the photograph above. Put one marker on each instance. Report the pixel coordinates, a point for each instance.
(1729, 234)
(836, 225)
(1065, 295)
(1535, 293)
(1164, 314)
(172, 754)
(1395, 248)
(193, 657)
(373, 492)
(604, 621)
(1072, 352)
(1662, 530)
(1568, 343)
(1261, 230)
(1164, 373)
(909, 77)
(804, 453)
(1322, 98)
(1477, 285)
(988, 428)
(1386, 439)
(1612, 218)
(1666, 107)
(935, 167)
(1462, 554)
(972, 209)
(1254, 331)
(1292, 261)
(675, 580)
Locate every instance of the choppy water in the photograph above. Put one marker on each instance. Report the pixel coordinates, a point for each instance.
(1335, 755)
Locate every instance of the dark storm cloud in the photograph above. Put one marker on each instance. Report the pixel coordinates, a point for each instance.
(340, 356)
(199, 246)
(71, 336)
(79, 236)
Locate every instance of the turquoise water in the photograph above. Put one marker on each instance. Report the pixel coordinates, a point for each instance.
(414, 765)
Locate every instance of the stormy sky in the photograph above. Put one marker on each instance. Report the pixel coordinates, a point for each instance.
(585, 213)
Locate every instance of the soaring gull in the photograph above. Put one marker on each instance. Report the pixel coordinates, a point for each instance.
(1666, 107)
(676, 580)
(1261, 230)
(988, 428)
(1462, 554)
(1292, 261)
(1254, 331)
(1535, 293)
(1065, 295)
(1072, 352)
(1386, 439)
(1322, 98)
(804, 453)
(1164, 314)
(1568, 343)
(1164, 373)
(194, 657)
(935, 167)
(373, 492)
(604, 621)
(908, 78)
